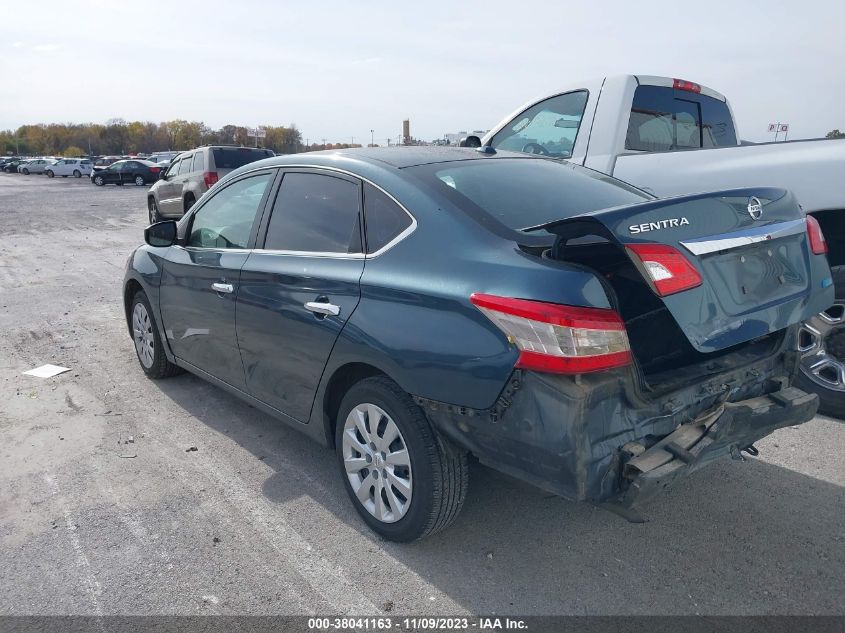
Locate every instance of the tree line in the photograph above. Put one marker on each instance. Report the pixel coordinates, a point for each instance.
(129, 137)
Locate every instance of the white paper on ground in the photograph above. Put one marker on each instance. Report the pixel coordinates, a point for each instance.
(46, 371)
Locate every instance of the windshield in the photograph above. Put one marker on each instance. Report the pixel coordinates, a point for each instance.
(526, 192)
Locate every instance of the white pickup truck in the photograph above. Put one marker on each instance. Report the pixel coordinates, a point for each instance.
(672, 136)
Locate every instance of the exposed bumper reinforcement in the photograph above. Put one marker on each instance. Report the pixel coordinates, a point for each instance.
(728, 429)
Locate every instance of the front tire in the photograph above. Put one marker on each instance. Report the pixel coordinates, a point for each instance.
(77, 173)
(139, 181)
(821, 345)
(147, 341)
(25, 172)
(189, 202)
(98, 180)
(50, 174)
(383, 437)
(152, 208)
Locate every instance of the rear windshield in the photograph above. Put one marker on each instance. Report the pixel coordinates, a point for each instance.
(525, 192)
(664, 119)
(234, 157)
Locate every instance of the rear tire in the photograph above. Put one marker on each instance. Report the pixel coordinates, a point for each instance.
(77, 173)
(432, 470)
(147, 342)
(139, 181)
(822, 348)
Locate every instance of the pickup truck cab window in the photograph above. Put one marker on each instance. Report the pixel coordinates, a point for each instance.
(549, 128)
(226, 220)
(663, 119)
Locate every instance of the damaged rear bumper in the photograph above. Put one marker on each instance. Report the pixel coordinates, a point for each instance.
(726, 430)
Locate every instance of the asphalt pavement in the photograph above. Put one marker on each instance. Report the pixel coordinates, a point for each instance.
(256, 520)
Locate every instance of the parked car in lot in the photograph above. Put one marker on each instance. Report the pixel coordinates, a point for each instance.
(671, 137)
(76, 167)
(192, 173)
(11, 167)
(162, 157)
(122, 172)
(36, 166)
(408, 307)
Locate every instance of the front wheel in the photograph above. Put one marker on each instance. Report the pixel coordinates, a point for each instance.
(147, 340)
(25, 172)
(50, 174)
(77, 173)
(152, 207)
(404, 480)
(139, 181)
(98, 180)
(821, 345)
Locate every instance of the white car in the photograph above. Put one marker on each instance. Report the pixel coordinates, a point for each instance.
(76, 167)
(36, 166)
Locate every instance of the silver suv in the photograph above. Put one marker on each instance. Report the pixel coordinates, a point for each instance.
(192, 173)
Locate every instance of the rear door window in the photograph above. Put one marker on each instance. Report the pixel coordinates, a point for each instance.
(315, 213)
(664, 119)
(199, 162)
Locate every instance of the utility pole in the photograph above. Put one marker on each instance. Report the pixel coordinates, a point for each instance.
(353, 140)
(372, 138)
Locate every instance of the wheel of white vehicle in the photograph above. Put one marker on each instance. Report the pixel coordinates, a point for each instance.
(404, 480)
(139, 181)
(77, 173)
(152, 207)
(50, 173)
(147, 341)
(25, 172)
(98, 180)
(821, 344)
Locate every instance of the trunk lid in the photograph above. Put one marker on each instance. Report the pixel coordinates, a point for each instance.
(749, 246)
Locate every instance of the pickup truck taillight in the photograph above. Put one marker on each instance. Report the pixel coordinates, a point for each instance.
(210, 177)
(814, 233)
(665, 268)
(557, 338)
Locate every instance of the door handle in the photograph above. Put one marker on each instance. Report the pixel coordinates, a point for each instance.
(320, 307)
(218, 287)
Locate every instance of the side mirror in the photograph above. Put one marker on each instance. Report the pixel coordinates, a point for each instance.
(161, 233)
(162, 175)
(470, 141)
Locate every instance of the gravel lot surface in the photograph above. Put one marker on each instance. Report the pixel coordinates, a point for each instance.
(256, 520)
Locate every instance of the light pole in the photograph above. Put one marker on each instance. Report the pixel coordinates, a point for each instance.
(372, 138)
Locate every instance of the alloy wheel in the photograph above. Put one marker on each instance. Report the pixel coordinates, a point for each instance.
(142, 334)
(821, 343)
(139, 181)
(377, 462)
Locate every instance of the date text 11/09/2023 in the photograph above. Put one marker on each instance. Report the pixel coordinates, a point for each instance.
(417, 624)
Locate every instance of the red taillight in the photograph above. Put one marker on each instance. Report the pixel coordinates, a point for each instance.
(210, 177)
(814, 232)
(155, 170)
(665, 268)
(682, 84)
(556, 338)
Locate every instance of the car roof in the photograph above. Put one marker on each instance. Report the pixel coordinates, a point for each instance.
(399, 157)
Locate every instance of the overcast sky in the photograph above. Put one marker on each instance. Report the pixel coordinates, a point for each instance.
(339, 69)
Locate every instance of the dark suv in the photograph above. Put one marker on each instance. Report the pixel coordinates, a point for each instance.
(192, 173)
